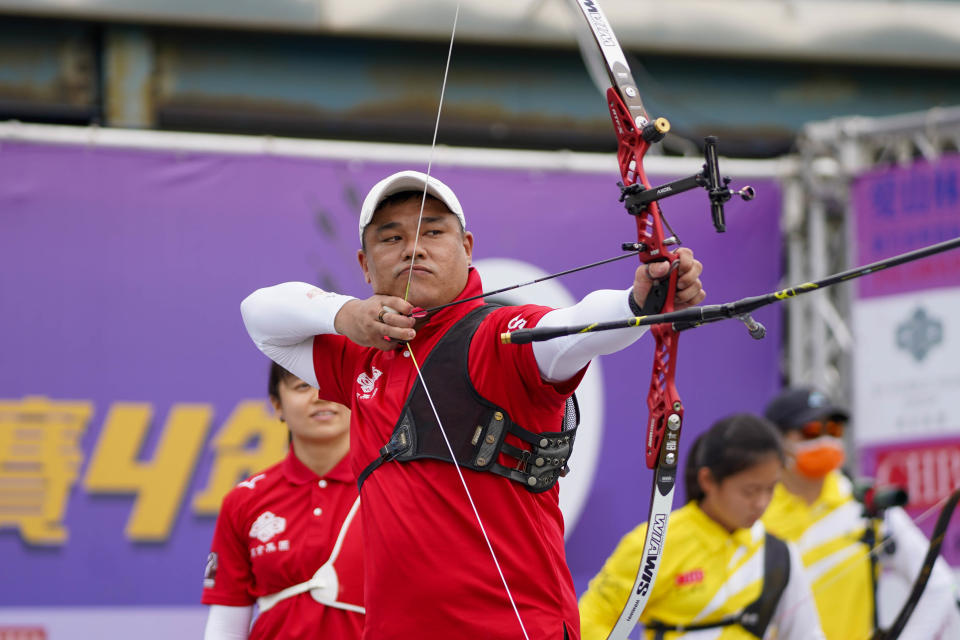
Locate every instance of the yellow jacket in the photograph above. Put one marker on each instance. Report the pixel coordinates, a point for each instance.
(706, 574)
(828, 536)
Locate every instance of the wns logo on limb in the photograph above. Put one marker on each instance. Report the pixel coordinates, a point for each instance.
(658, 525)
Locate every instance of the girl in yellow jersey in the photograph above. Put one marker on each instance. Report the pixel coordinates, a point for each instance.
(722, 577)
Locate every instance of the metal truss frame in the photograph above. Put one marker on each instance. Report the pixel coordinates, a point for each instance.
(817, 228)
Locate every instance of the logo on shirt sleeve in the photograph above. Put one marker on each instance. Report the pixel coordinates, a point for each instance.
(368, 383)
(210, 571)
(517, 322)
(252, 482)
(267, 526)
(317, 292)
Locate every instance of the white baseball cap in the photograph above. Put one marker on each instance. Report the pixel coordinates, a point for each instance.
(408, 181)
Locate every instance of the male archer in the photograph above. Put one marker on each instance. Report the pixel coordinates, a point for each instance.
(503, 408)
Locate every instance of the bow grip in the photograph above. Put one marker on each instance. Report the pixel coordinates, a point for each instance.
(657, 297)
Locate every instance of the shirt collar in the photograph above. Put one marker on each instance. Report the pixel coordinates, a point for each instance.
(298, 473)
(836, 489)
(441, 320)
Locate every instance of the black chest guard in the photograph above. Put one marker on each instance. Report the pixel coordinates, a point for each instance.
(477, 428)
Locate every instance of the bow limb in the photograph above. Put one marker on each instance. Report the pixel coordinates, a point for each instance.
(635, 133)
(933, 552)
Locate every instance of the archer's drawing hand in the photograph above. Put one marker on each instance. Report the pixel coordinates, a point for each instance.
(368, 322)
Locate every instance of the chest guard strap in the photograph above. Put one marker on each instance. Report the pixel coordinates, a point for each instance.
(477, 428)
(756, 617)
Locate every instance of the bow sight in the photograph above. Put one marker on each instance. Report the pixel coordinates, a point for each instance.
(636, 197)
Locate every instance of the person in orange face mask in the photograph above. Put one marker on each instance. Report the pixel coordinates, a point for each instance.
(814, 507)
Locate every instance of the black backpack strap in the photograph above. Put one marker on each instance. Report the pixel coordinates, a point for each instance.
(660, 629)
(756, 617)
(776, 574)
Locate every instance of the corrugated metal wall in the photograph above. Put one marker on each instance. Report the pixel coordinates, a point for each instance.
(297, 84)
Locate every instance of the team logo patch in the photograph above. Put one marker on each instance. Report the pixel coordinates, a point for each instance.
(690, 577)
(267, 526)
(210, 571)
(368, 383)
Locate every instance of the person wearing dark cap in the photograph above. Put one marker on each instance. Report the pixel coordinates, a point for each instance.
(440, 564)
(814, 507)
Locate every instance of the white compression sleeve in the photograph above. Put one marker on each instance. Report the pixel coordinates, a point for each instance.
(228, 623)
(283, 319)
(562, 358)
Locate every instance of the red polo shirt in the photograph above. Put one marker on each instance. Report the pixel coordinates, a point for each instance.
(275, 529)
(429, 572)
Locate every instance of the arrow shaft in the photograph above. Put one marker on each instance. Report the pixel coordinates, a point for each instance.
(696, 316)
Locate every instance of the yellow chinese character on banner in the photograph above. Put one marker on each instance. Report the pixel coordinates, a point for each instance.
(250, 440)
(40, 458)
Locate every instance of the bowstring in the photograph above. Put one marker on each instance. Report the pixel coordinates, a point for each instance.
(433, 148)
(416, 366)
(473, 505)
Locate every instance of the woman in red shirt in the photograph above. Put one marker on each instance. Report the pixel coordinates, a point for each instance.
(287, 539)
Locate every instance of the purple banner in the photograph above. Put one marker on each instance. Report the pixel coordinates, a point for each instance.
(906, 374)
(899, 209)
(131, 397)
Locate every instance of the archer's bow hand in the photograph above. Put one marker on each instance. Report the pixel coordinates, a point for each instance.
(382, 322)
(689, 291)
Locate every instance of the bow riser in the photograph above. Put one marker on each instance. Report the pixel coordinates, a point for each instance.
(631, 145)
(663, 399)
(631, 149)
